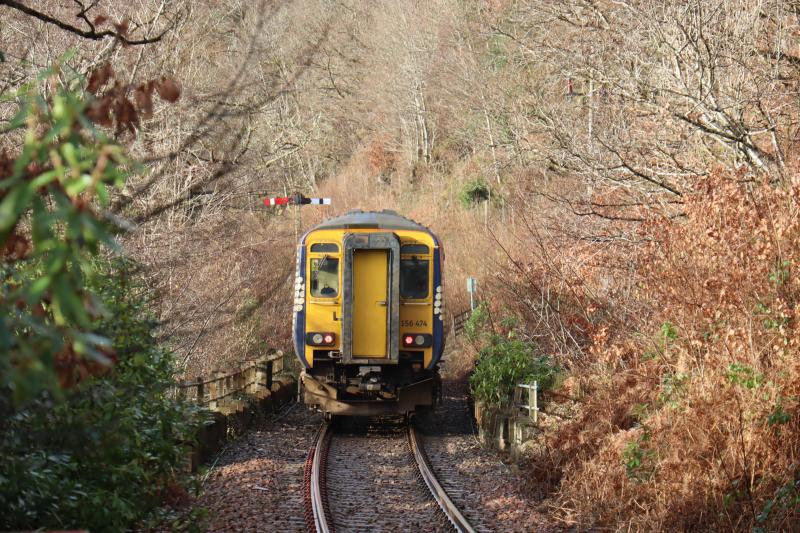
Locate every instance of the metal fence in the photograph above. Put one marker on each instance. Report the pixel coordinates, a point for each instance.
(523, 392)
(224, 389)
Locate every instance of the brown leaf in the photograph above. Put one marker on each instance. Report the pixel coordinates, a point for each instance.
(17, 247)
(99, 112)
(99, 20)
(122, 28)
(126, 114)
(143, 95)
(168, 89)
(99, 77)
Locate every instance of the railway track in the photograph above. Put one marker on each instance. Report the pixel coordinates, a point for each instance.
(375, 477)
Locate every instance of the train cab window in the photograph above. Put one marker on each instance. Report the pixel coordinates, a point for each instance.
(325, 247)
(418, 249)
(325, 277)
(414, 278)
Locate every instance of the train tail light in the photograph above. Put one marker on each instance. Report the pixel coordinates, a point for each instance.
(417, 340)
(320, 339)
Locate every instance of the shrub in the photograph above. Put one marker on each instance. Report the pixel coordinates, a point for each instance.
(112, 449)
(504, 363)
(474, 192)
(53, 194)
(476, 325)
(721, 378)
(90, 433)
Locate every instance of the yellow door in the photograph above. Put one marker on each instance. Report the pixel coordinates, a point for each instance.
(370, 299)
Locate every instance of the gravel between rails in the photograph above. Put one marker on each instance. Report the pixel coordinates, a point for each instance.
(257, 482)
(374, 483)
(487, 492)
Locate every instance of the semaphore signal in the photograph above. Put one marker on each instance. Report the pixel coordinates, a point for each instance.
(296, 199)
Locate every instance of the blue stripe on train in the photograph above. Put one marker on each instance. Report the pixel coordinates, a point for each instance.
(299, 322)
(438, 320)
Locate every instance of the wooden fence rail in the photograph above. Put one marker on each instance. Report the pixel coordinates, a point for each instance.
(459, 320)
(226, 390)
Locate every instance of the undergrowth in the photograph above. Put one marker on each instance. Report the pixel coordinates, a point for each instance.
(113, 449)
(689, 419)
(504, 360)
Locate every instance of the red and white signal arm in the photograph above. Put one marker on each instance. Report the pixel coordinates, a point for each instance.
(296, 200)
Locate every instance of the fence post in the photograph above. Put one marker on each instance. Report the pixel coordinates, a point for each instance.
(251, 378)
(269, 375)
(182, 385)
(199, 391)
(213, 391)
(228, 379)
(535, 402)
(260, 378)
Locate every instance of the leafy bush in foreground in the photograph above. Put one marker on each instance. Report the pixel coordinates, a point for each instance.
(90, 434)
(103, 457)
(504, 361)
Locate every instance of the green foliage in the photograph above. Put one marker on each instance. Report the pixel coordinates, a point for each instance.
(780, 275)
(474, 192)
(246, 310)
(504, 363)
(778, 416)
(51, 197)
(638, 459)
(673, 389)
(667, 334)
(741, 374)
(640, 411)
(785, 502)
(103, 457)
(476, 324)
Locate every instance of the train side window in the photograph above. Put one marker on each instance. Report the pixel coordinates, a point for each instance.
(414, 278)
(325, 247)
(325, 277)
(419, 249)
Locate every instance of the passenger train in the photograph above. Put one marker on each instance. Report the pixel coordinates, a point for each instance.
(368, 320)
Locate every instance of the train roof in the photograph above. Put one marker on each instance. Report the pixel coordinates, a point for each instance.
(386, 219)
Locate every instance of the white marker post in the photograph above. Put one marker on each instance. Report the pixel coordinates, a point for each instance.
(472, 287)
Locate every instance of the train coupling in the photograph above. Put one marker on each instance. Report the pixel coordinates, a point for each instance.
(370, 379)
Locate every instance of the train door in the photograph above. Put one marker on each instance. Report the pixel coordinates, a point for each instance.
(371, 292)
(370, 303)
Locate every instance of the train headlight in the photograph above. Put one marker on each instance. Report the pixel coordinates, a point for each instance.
(417, 340)
(320, 339)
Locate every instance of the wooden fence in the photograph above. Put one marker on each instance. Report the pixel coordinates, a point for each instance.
(227, 391)
(459, 320)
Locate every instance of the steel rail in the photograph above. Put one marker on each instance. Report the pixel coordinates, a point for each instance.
(317, 492)
(445, 503)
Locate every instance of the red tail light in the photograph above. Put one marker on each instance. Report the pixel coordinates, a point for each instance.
(417, 340)
(320, 339)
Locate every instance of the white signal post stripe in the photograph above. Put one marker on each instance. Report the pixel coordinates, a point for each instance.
(284, 200)
(320, 201)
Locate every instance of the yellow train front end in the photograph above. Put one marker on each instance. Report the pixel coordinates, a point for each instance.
(368, 315)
